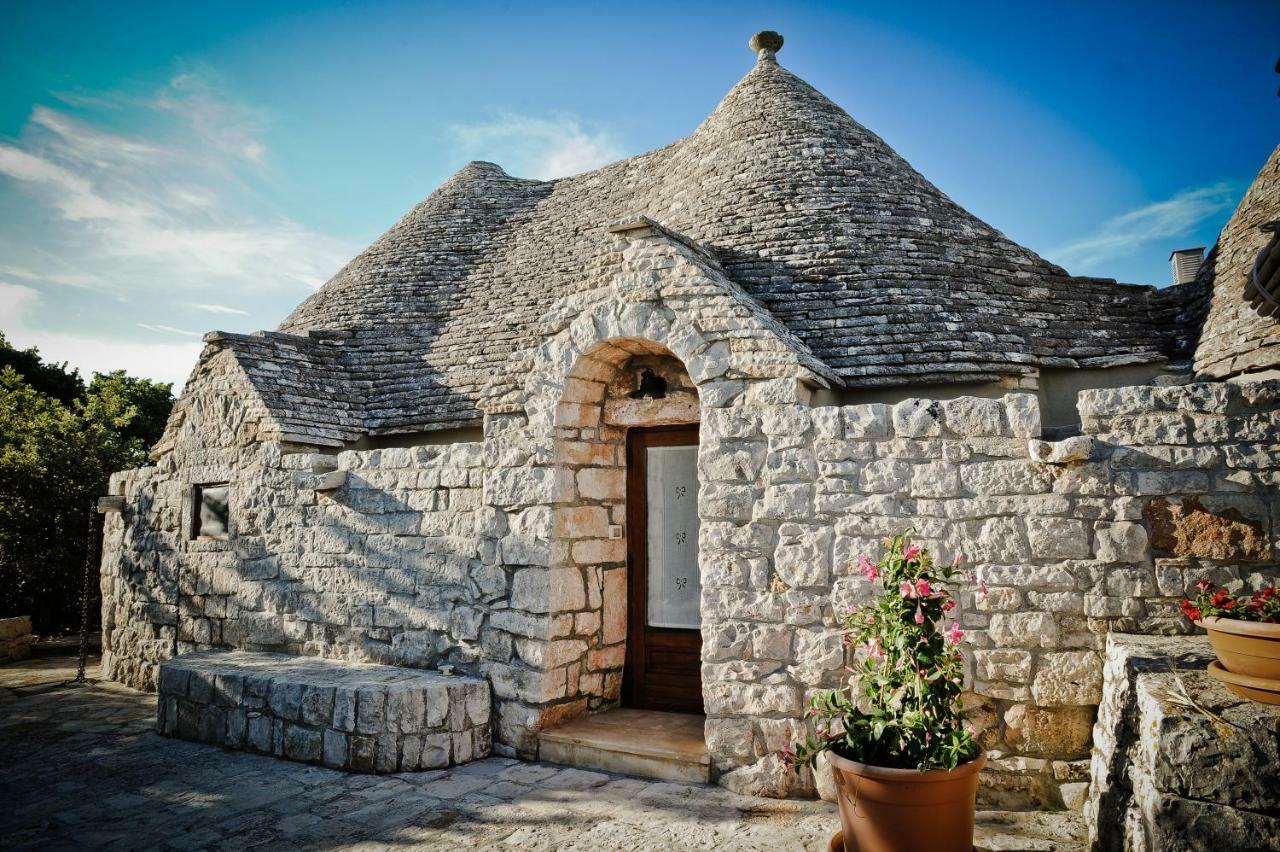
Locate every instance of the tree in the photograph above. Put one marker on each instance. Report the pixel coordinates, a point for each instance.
(55, 380)
(130, 412)
(56, 455)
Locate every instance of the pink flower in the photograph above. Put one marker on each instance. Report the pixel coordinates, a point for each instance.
(787, 754)
(869, 569)
(912, 553)
(919, 589)
(958, 558)
(955, 634)
(948, 605)
(875, 651)
(919, 615)
(982, 588)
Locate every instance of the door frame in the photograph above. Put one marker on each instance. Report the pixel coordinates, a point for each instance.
(640, 439)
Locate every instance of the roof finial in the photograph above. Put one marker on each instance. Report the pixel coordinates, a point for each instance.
(765, 43)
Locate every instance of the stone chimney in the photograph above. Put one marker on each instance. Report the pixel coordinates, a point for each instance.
(1186, 263)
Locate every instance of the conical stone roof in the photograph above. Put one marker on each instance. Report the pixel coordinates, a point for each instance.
(881, 275)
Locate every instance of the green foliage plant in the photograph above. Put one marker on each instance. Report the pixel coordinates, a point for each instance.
(899, 705)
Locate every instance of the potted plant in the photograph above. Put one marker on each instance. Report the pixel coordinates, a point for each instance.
(1244, 631)
(904, 762)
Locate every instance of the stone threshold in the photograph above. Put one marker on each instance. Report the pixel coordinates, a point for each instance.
(645, 743)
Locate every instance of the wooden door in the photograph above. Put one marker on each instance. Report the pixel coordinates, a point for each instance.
(664, 638)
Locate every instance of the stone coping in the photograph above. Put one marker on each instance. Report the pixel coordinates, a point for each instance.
(355, 716)
(1177, 757)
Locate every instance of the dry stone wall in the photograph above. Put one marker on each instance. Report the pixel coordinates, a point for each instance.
(363, 718)
(1072, 539)
(1169, 777)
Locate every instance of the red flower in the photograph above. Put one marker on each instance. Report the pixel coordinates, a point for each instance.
(1222, 599)
(1189, 610)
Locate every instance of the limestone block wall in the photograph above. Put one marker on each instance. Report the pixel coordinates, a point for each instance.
(379, 570)
(1100, 532)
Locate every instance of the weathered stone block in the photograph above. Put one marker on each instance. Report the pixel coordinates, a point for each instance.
(803, 555)
(917, 418)
(1048, 731)
(1068, 677)
(1120, 542)
(1023, 630)
(1222, 527)
(1008, 664)
(1058, 538)
(974, 416)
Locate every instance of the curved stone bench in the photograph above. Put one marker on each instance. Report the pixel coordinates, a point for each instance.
(354, 716)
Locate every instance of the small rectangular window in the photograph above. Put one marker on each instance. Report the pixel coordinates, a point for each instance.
(211, 516)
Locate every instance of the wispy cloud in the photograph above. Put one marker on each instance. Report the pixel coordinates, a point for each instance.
(157, 202)
(217, 309)
(161, 204)
(1134, 231)
(530, 146)
(168, 329)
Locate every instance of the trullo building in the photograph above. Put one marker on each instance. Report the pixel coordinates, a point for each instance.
(617, 440)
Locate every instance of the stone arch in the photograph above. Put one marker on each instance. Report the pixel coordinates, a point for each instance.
(546, 643)
(588, 555)
(580, 352)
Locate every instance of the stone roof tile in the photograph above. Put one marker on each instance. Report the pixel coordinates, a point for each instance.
(873, 270)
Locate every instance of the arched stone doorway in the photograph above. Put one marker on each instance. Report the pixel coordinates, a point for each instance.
(619, 388)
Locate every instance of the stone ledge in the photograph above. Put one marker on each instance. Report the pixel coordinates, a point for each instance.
(353, 716)
(1166, 776)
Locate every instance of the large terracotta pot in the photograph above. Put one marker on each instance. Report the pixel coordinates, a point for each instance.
(896, 810)
(1245, 647)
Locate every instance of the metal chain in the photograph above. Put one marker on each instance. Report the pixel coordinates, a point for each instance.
(90, 549)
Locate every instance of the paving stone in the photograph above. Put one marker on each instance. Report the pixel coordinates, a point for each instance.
(163, 793)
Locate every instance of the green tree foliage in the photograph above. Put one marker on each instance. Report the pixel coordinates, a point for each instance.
(54, 380)
(56, 454)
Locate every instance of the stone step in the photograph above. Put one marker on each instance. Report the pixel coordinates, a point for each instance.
(647, 743)
(1028, 831)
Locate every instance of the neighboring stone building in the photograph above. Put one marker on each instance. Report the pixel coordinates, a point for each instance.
(467, 447)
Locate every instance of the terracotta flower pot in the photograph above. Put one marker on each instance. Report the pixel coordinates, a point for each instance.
(1245, 647)
(895, 810)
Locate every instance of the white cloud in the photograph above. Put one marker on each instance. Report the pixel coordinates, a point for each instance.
(1130, 232)
(15, 301)
(217, 309)
(543, 148)
(226, 126)
(67, 279)
(171, 204)
(163, 362)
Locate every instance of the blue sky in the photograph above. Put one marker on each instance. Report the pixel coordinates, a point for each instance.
(166, 169)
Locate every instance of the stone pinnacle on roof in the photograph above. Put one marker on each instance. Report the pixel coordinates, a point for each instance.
(765, 43)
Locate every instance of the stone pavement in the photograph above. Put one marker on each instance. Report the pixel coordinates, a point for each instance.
(84, 769)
